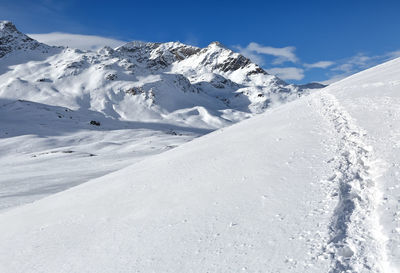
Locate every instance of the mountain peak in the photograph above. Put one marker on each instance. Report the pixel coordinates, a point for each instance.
(8, 29)
(12, 39)
(7, 25)
(216, 43)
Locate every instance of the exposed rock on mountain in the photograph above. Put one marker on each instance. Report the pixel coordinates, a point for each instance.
(11, 39)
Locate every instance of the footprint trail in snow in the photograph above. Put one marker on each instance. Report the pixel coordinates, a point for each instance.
(356, 243)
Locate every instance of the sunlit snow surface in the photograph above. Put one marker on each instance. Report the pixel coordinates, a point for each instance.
(46, 149)
(310, 186)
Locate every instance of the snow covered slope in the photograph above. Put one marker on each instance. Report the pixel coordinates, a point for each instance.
(45, 149)
(311, 186)
(60, 105)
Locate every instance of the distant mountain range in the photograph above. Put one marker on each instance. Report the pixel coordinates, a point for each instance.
(154, 82)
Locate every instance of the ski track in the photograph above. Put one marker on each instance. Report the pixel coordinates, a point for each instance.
(357, 243)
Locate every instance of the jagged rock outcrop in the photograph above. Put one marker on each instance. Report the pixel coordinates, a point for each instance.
(12, 39)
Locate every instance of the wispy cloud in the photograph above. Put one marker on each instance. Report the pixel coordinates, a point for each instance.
(283, 54)
(320, 64)
(85, 42)
(287, 73)
(361, 61)
(393, 54)
(334, 70)
(254, 51)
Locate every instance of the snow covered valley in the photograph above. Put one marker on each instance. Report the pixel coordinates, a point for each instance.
(46, 149)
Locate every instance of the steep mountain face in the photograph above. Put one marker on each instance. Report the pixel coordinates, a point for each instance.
(169, 82)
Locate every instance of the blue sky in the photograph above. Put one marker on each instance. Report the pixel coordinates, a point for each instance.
(301, 41)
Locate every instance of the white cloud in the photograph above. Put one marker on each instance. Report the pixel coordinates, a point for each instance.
(254, 57)
(360, 62)
(254, 52)
(393, 54)
(283, 54)
(348, 66)
(357, 63)
(320, 64)
(287, 73)
(85, 42)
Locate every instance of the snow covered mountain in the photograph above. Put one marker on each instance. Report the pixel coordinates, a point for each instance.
(61, 107)
(169, 82)
(309, 186)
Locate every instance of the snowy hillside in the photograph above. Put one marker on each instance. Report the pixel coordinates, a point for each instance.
(310, 186)
(102, 111)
